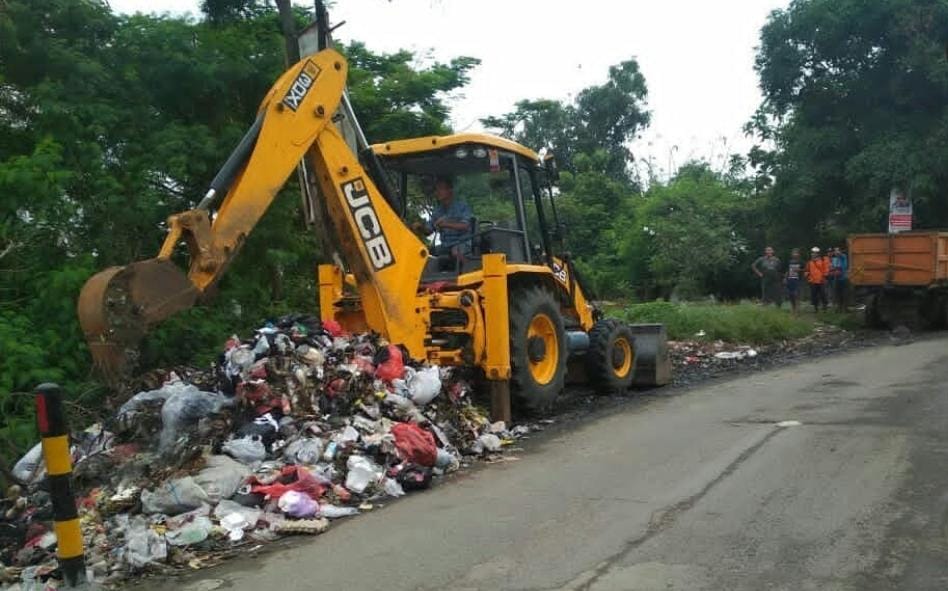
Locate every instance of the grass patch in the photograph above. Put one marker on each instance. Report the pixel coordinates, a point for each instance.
(734, 323)
(851, 321)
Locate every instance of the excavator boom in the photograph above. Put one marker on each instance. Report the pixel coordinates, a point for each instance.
(294, 122)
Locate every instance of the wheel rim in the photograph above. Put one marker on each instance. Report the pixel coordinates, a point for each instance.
(622, 357)
(543, 366)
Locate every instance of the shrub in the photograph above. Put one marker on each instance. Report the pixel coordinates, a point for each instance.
(737, 323)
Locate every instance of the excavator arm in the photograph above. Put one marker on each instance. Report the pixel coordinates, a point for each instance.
(119, 305)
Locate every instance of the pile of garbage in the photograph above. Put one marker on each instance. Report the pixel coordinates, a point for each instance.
(699, 359)
(705, 354)
(295, 427)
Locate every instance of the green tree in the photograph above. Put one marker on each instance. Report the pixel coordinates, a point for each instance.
(110, 123)
(394, 99)
(855, 103)
(603, 118)
(596, 210)
(610, 115)
(538, 124)
(693, 234)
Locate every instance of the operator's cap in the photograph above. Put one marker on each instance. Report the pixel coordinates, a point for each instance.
(815, 249)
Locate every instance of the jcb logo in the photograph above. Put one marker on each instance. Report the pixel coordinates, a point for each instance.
(301, 86)
(366, 220)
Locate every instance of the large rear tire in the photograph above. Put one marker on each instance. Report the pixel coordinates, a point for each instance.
(933, 311)
(537, 348)
(873, 313)
(610, 361)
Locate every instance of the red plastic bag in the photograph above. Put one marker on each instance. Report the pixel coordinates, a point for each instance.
(257, 394)
(333, 328)
(291, 478)
(414, 444)
(390, 364)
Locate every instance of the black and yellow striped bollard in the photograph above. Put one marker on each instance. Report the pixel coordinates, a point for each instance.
(55, 433)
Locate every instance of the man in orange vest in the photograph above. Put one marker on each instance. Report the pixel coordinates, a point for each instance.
(817, 270)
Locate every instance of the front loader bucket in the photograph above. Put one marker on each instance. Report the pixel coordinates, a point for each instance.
(117, 306)
(652, 364)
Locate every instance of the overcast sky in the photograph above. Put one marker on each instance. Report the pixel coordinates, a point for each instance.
(697, 57)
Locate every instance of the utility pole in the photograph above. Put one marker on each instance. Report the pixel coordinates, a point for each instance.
(289, 32)
(322, 24)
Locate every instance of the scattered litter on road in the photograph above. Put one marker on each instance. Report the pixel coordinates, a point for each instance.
(695, 360)
(296, 426)
(739, 354)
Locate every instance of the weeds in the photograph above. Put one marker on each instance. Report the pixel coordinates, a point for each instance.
(737, 323)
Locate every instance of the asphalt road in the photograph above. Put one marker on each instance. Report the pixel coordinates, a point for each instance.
(685, 490)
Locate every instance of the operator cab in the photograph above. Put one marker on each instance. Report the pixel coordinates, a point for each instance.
(499, 186)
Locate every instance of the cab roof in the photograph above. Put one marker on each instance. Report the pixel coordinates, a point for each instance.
(420, 145)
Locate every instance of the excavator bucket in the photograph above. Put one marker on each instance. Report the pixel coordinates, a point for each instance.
(117, 306)
(652, 364)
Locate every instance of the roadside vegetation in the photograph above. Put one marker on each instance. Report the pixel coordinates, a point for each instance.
(744, 323)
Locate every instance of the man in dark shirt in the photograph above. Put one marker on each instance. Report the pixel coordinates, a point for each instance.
(795, 270)
(839, 277)
(452, 216)
(769, 269)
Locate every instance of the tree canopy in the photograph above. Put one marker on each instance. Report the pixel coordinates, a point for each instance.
(603, 118)
(109, 123)
(855, 104)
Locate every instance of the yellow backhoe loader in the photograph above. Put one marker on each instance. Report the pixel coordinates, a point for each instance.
(491, 293)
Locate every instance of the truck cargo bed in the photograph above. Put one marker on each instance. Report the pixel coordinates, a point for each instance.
(911, 259)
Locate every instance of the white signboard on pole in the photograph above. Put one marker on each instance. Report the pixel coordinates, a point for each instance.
(900, 212)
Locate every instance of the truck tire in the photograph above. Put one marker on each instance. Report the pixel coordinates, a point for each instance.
(610, 360)
(874, 314)
(537, 348)
(932, 312)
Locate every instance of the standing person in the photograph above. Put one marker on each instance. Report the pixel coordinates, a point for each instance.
(829, 285)
(769, 268)
(816, 272)
(839, 271)
(794, 273)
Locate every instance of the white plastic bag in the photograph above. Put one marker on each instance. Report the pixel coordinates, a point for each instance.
(335, 511)
(393, 488)
(183, 404)
(31, 468)
(349, 434)
(221, 477)
(186, 405)
(247, 450)
(193, 532)
(306, 450)
(362, 473)
(239, 359)
(446, 460)
(143, 544)
(235, 518)
(487, 442)
(174, 497)
(424, 385)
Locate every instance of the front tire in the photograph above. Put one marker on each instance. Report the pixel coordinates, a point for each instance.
(611, 356)
(537, 348)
